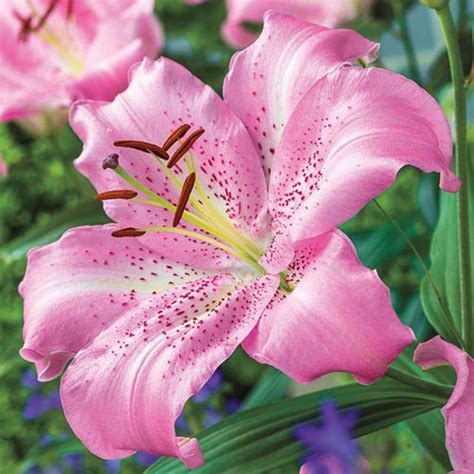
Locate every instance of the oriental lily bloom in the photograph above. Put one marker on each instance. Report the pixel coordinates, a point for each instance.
(56, 51)
(459, 411)
(322, 12)
(226, 215)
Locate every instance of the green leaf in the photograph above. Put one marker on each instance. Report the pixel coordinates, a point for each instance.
(53, 450)
(377, 245)
(88, 213)
(272, 386)
(412, 315)
(428, 198)
(445, 268)
(260, 440)
(429, 429)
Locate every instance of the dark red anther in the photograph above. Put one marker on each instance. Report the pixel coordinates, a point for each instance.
(111, 162)
(116, 194)
(27, 26)
(184, 147)
(175, 136)
(128, 232)
(70, 9)
(184, 198)
(143, 146)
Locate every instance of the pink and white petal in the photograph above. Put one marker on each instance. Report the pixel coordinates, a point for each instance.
(267, 80)
(320, 12)
(163, 95)
(459, 411)
(279, 255)
(108, 77)
(74, 288)
(136, 23)
(118, 43)
(345, 143)
(338, 317)
(124, 392)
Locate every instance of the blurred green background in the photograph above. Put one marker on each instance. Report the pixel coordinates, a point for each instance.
(44, 195)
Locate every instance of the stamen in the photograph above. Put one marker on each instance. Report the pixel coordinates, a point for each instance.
(185, 147)
(175, 136)
(111, 162)
(128, 232)
(143, 146)
(183, 198)
(70, 9)
(116, 194)
(26, 23)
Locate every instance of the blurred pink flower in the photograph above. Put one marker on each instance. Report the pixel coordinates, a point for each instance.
(56, 51)
(301, 141)
(459, 411)
(322, 12)
(3, 168)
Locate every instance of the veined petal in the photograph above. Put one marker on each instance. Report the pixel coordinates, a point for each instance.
(459, 411)
(345, 143)
(321, 12)
(267, 80)
(124, 392)
(338, 317)
(162, 96)
(74, 288)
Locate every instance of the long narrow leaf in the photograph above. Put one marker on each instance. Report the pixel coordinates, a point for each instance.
(260, 440)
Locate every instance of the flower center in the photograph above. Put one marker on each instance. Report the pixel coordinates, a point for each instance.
(214, 226)
(64, 42)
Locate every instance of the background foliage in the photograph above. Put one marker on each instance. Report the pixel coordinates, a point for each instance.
(44, 195)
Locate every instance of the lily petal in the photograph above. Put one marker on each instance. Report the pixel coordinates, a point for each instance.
(338, 318)
(345, 143)
(268, 79)
(74, 288)
(459, 411)
(124, 392)
(321, 12)
(162, 96)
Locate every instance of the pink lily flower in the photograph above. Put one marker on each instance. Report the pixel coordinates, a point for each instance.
(226, 215)
(459, 411)
(321, 12)
(56, 51)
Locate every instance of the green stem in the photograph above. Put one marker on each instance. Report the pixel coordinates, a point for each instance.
(438, 389)
(407, 44)
(455, 63)
(451, 328)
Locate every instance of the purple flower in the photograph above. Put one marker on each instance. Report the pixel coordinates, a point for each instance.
(212, 385)
(112, 466)
(37, 404)
(233, 405)
(212, 417)
(75, 462)
(330, 447)
(29, 379)
(145, 459)
(181, 423)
